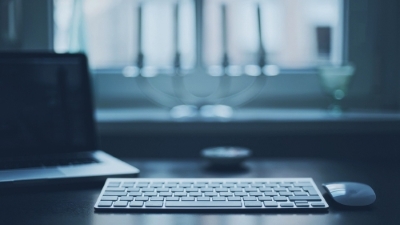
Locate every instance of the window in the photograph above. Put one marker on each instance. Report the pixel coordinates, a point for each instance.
(289, 31)
(107, 31)
(296, 33)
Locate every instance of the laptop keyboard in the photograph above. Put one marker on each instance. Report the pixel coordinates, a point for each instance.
(199, 194)
(45, 162)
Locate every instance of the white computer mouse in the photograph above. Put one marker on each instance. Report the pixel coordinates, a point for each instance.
(351, 193)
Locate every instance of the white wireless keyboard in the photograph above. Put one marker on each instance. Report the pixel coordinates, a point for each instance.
(214, 194)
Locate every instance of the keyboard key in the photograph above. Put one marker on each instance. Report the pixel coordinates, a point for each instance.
(165, 194)
(133, 189)
(228, 185)
(162, 189)
(250, 189)
(218, 198)
(120, 204)
(128, 184)
(126, 198)
(114, 184)
(242, 185)
(271, 185)
(136, 204)
(221, 189)
(170, 185)
(295, 189)
(304, 198)
(203, 199)
(266, 189)
(172, 198)
(255, 194)
(280, 198)
(236, 189)
(150, 194)
(252, 204)
(285, 185)
(210, 194)
(234, 199)
(214, 185)
(199, 185)
(283, 193)
(317, 204)
(250, 198)
(141, 198)
(289, 205)
(280, 189)
(109, 198)
(147, 189)
(187, 198)
(206, 190)
(313, 193)
(266, 198)
(304, 205)
(225, 194)
(115, 189)
(195, 194)
(270, 204)
(192, 190)
(271, 193)
(115, 193)
(257, 185)
(141, 185)
(154, 204)
(180, 194)
(185, 186)
(135, 194)
(156, 186)
(203, 204)
(300, 193)
(105, 204)
(156, 199)
(177, 190)
(240, 194)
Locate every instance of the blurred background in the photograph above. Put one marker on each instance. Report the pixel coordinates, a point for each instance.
(282, 77)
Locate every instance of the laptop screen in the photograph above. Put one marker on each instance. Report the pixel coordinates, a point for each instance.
(45, 104)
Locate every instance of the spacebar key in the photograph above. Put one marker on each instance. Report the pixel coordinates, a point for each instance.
(203, 204)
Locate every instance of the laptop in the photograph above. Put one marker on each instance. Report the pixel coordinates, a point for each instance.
(47, 127)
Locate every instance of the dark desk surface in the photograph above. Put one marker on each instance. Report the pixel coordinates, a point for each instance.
(74, 204)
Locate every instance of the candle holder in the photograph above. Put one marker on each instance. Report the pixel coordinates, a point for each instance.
(182, 102)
